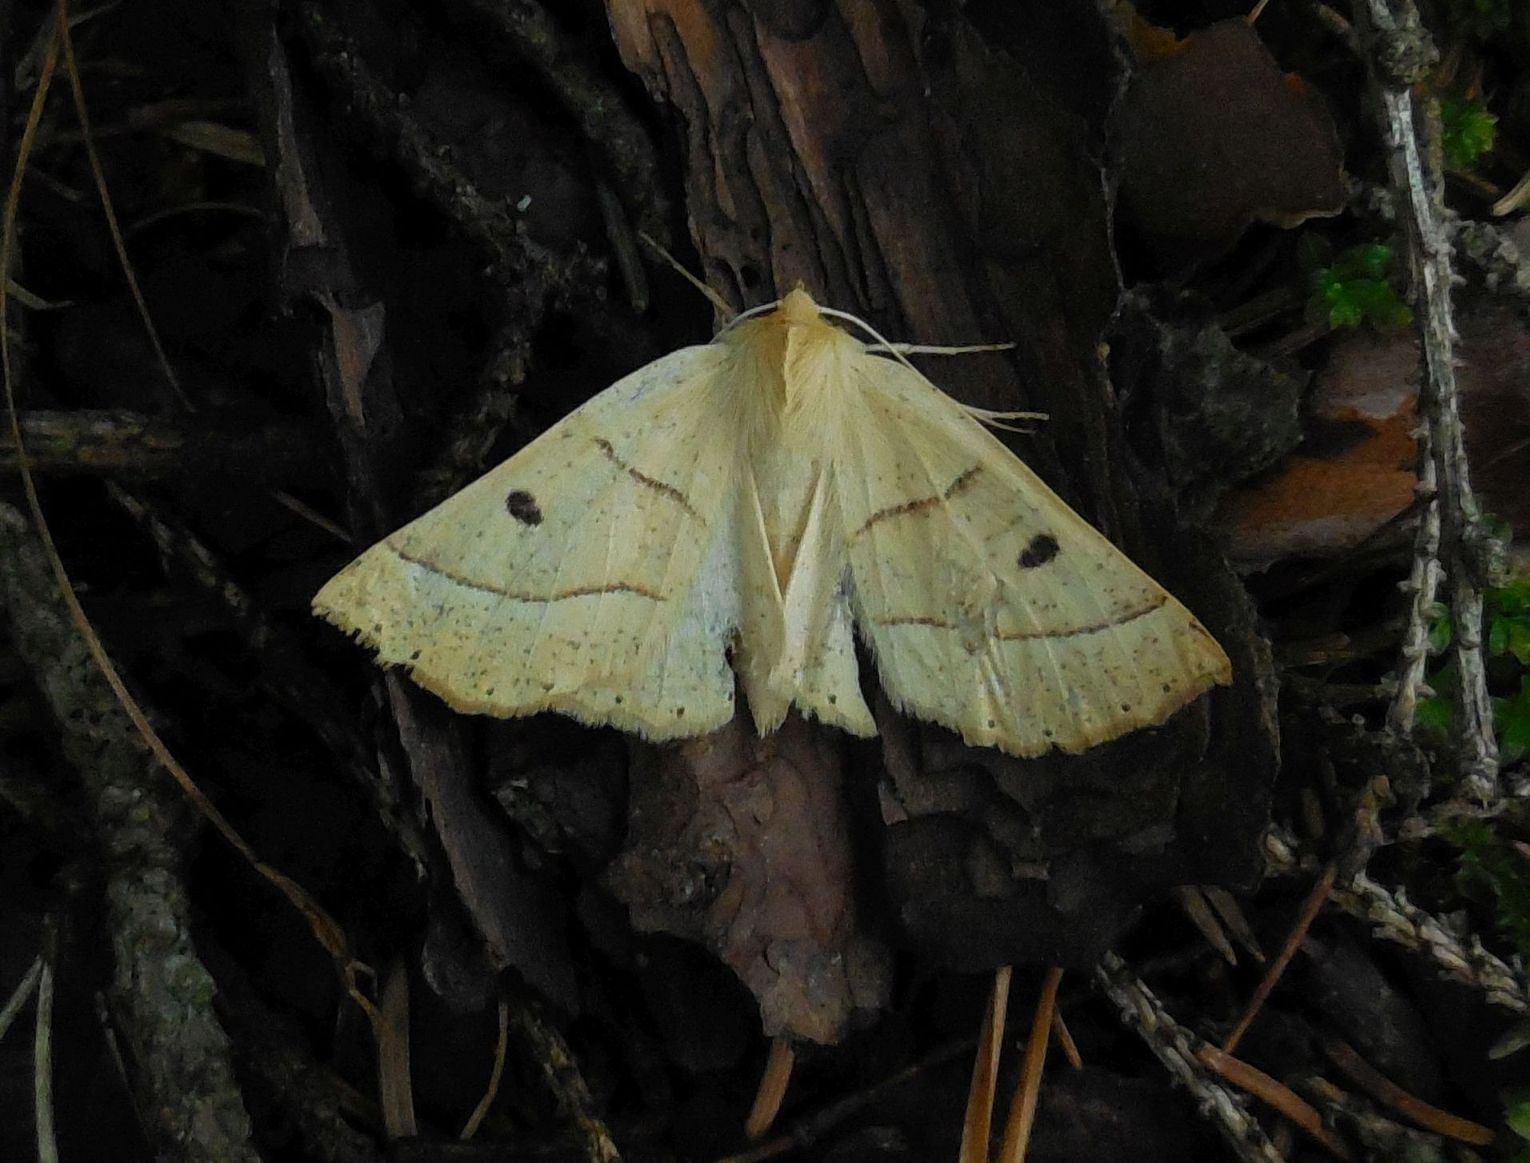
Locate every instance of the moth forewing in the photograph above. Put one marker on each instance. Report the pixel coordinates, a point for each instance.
(616, 606)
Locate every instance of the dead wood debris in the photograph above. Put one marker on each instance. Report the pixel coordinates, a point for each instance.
(598, 107)
(524, 273)
(324, 1117)
(161, 994)
(513, 915)
(543, 1044)
(743, 844)
(288, 674)
(492, 224)
(136, 446)
(1381, 1137)
(1486, 249)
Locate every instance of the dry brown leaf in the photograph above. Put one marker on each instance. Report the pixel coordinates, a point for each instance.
(1215, 137)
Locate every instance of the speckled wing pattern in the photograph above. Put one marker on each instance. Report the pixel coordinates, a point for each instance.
(991, 606)
(573, 578)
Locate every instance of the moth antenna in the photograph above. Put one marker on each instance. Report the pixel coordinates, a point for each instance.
(749, 314)
(927, 349)
(901, 352)
(1002, 419)
(723, 306)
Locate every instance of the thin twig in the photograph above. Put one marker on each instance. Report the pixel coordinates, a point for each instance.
(1310, 909)
(82, 111)
(1384, 1090)
(977, 1122)
(1022, 1110)
(1422, 585)
(19, 995)
(1227, 907)
(1399, 53)
(772, 1089)
(496, 1075)
(395, 1086)
(1198, 909)
(1064, 1039)
(42, 1067)
(1275, 1093)
(123, 444)
(1178, 1049)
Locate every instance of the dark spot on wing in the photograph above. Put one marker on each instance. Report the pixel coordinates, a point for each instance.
(523, 507)
(1042, 549)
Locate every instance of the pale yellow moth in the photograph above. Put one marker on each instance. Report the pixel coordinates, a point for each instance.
(760, 498)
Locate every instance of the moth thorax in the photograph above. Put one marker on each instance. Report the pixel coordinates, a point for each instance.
(815, 370)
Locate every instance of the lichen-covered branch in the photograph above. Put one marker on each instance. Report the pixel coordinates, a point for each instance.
(1176, 1047)
(1422, 585)
(1399, 53)
(161, 994)
(1392, 917)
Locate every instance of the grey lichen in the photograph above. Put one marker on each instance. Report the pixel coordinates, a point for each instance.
(161, 994)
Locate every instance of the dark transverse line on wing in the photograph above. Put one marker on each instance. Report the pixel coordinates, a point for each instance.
(643, 478)
(922, 503)
(561, 595)
(1026, 635)
(642, 592)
